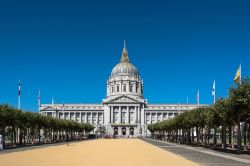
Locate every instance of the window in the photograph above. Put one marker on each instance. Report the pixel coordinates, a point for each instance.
(123, 117)
(112, 89)
(117, 88)
(124, 88)
(130, 88)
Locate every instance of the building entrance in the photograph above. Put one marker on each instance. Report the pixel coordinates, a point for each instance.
(131, 131)
(115, 131)
(124, 131)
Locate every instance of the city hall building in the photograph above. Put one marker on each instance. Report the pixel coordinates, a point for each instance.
(124, 111)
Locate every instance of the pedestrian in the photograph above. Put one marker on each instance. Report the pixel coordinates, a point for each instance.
(1, 142)
(67, 138)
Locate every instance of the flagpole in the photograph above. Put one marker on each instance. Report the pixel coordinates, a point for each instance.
(19, 103)
(39, 101)
(214, 97)
(19, 95)
(198, 98)
(240, 73)
(19, 108)
(214, 91)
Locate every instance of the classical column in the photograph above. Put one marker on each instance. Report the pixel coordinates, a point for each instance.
(127, 115)
(150, 117)
(97, 117)
(112, 115)
(91, 118)
(86, 117)
(136, 115)
(109, 115)
(127, 88)
(102, 118)
(142, 115)
(139, 113)
(80, 117)
(162, 116)
(120, 115)
(75, 116)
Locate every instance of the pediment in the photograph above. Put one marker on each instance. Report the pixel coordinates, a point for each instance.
(47, 108)
(123, 99)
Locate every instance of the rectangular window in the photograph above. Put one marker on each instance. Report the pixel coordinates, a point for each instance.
(123, 117)
(132, 117)
(130, 88)
(117, 88)
(124, 88)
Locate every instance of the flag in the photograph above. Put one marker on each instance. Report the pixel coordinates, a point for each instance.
(38, 98)
(19, 88)
(237, 77)
(19, 95)
(213, 90)
(198, 97)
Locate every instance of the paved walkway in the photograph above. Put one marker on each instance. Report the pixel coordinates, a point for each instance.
(201, 155)
(101, 152)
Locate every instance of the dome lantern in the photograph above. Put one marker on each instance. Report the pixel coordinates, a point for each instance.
(124, 67)
(124, 57)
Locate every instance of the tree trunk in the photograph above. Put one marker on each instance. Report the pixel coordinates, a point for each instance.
(248, 134)
(208, 136)
(245, 134)
(223, 140)
(197, 136)
(215, 137)
(232, 138)
(205, 136)
(176, 135)
(239, 136)
(4, 136)
(188, 136)
(39, 135)
(192, 140)
(14, 135)
(45, 135)
(32, 135)
(182, 135)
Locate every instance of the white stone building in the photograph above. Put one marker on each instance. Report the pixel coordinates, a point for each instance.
(124, 111)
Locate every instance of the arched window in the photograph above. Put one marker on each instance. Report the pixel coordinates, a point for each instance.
(124, 88)
(117, 88)
(130, 88)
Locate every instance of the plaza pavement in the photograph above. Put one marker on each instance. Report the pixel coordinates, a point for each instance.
(201, 155)
(100, 152)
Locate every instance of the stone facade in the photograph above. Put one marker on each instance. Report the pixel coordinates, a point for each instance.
(124, 111)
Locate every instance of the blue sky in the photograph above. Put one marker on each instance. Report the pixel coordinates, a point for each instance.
(67, 49)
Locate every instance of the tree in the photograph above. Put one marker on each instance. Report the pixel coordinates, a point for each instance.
(240, 99)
